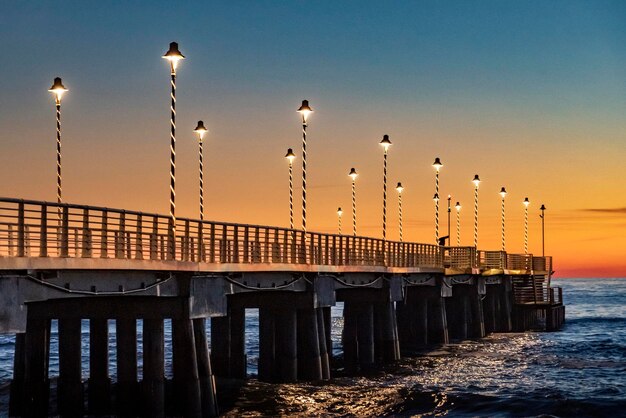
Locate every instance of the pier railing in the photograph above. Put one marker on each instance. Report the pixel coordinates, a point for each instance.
(43, 229)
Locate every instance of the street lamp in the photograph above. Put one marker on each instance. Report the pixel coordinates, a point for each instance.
(458, 224)
(353, 175)
(543, 217)
(476, 182)
(304, 111)
(437, 165)
(339, 215)
(526, 203)
(449, 210)
(385, 143)
(503, 195)
(58, 89)
(173, 55)
(400, 189)
(200, 131)
(290, 156)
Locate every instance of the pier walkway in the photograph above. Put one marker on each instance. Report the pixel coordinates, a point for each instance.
(71, 262)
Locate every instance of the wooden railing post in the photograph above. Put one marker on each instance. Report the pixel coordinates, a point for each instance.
(201, 253)
(185, 243)
(224, 247)
(154, 238)
(104, 235)
(20, 229)
(120, 237)
(139, 238)
(212, 244)
(65, 232)
(43, 232)
(246, 244)
(236, 244)
(86, 241)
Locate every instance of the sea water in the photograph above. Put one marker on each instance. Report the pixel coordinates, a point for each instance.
(579, 371)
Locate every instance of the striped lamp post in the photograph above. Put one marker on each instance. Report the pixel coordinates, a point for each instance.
(304, 111)
(543, 216)
(58, 89)
(200, 131)
(400, 189)
(290, 156)
(526, 203)
(173, 55)
(503, 195)
(437, 165)
(385, 143)
(339, 215)
(458, 224)
(353, 175)
(476, 182)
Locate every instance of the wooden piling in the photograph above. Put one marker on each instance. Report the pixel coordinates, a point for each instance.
(365, 336)
(438, 331)
(237, 343)
(323, 346)
(70, 387)
(99, 382)
(220, 345)
(309, 361)
(349, 337)
(126, 346)
(186, 379)
(286, 345)
(153, 368)
(266, 345)
(205, 374)
(37, 385)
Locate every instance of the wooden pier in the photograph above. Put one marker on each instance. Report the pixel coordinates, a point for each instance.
(71, 263)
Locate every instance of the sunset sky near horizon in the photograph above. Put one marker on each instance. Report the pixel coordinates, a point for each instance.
(529, 95)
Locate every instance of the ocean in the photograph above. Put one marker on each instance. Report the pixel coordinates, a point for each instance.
(577, 372)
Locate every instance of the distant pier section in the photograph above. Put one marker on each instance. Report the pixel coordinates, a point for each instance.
(70, 263)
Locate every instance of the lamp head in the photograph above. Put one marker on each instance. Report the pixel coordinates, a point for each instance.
(290, 156)
(476, 181)
(458, 206)
(526, 202)
(437, 164)
(173, 55)
(305, 110)
(339, 212)
(353, 174)
(385, 143)
(57, 89)
(399, 187)
(436, 197)
(542, 208)
(200, 130)
(503, 192)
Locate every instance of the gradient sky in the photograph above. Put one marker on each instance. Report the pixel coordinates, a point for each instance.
(530, 95)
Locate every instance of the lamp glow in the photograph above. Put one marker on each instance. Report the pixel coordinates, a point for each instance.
(385, 143)
(305, 110)
(58, 89)
(173, 55)
(200, 130)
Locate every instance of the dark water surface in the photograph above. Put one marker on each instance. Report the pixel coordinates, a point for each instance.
(580, 371)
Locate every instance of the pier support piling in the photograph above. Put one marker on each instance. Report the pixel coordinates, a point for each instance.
(70, 387)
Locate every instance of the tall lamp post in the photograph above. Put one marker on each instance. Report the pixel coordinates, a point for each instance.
(437, 165)
(339, 215)
(200, 131)
(449, 210)
(526, 203)
(385, 143)
(458, 224)
(290, 156)
(400, 189)
(503, 195)
(304, 111)
(58, 89)
(353, 175)
(543, 217)
(173, 55)
(476, 182)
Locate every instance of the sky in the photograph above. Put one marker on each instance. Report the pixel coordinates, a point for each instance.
(529, 95)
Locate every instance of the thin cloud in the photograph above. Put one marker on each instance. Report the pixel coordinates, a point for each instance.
(608, 211)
